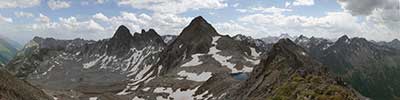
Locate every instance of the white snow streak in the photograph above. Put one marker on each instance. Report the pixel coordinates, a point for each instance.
(194, 62)
(93, 98)
(204, 76)
(176, 95)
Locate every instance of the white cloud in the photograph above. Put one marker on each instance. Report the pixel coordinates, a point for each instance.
(87, 2)
(273, 10)
(303, 3)
(58, 4)
(18, 3)
(100, 1)
(235, 5)
(43, 18)
(174, 6)
(382, 16)
(23, 14)
(287, 4)
(5, 19)
(333, 24)
(100, 16)
(71, 27)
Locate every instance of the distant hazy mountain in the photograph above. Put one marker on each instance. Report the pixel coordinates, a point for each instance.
(274, 39)
(8, 49)
(393, 44)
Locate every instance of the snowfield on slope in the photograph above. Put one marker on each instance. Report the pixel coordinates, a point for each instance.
(204, 76)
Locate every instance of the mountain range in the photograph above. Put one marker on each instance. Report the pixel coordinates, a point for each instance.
(202, 64)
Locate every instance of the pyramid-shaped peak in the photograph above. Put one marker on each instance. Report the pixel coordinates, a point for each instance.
(302, 36)
(344, 37)
(287, 46)
(199, 19)
(122, 33)
(199, 28)
(395, 41)
(285, 41)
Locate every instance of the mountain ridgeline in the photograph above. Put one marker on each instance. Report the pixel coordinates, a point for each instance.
(202, 64)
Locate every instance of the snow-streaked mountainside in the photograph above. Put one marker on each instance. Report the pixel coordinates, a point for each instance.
(68, 69)
(201, 64)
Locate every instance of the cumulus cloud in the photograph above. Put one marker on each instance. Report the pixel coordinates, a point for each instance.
(100, 1)
(366, 7)
(174, 6)
(382, 16)
(69, 28)
(303, 3)
(18, 3)
(87, 2)
(333, 24)
(100, 16)
(58, 4)
(23, 14)
(5, 19)
(43, 18)
(272, 9)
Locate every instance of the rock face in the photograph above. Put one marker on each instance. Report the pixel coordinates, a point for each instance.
(315, 46)
(260, 44)
(12, 88)
(289, 73)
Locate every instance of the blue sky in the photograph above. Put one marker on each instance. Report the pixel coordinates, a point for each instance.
(21, 20)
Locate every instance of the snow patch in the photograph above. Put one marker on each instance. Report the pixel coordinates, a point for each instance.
(326, 46)
(92, 63)
(204, 76)
(254, 53)
(303, 53)
(146, 89)
(176, 95)
(201, 96)
(167, 39)
(93, 98)
(137, 98)
(194, 62)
